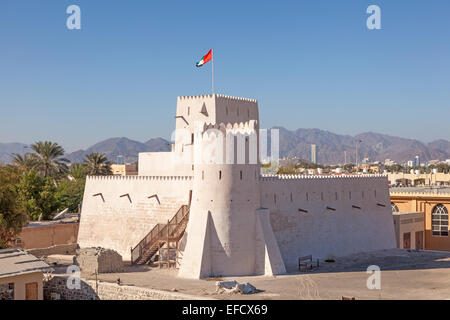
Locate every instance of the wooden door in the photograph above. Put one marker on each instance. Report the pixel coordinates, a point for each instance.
(419, 240)
(407, 240)
(31, 292)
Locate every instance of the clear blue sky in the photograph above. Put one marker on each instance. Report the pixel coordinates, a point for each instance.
(311, 64)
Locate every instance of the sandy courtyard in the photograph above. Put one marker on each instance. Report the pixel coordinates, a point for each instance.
(404, 275)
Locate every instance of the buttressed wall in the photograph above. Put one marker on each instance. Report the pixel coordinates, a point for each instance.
(119, 211)
(328, 216)
(240, 223)
(228, 232)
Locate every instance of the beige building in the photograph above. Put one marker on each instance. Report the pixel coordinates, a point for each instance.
(433, 204)
(409, 230)
(124, 169)
(424, 179)
(21, 275)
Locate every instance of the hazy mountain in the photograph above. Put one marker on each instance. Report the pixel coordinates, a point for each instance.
(125, 147)
(331, 147)
(7, 149)
(297, 143)
(440, 145)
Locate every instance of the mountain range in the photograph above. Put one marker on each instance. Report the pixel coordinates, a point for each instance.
(331, 147)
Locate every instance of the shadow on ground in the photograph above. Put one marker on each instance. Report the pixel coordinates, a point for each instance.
(393, 259)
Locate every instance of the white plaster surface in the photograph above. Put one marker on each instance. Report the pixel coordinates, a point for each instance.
(240, 223)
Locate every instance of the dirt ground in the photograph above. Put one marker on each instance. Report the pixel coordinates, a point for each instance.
(404, 275)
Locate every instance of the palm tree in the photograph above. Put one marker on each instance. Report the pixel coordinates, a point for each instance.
(26, 162)
(98, 164)
(49, 157)
(77, 171)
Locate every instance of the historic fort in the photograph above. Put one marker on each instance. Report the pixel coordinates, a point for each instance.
(206, 208)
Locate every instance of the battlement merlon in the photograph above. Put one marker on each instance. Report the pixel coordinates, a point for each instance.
(220, 96)
(214, 109)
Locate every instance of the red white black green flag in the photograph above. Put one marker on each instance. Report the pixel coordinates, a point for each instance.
(207, 57)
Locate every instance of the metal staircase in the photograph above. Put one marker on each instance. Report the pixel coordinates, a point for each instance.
(162, 240)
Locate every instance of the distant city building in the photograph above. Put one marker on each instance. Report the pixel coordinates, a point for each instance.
(433, 162)
(119, 159)
(124, 169)
(389, 162)
(366, 160)
(369, 168)
(314, 153)
(423, 179)
(416, 161)
(410, 163)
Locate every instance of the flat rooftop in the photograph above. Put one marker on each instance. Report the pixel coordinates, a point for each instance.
(422, 190)
(404, 275)
(406, 213)
(15, 262)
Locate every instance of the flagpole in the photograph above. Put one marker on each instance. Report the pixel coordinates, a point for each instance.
(212, 71)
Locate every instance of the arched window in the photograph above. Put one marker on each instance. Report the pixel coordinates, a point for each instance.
(439, 221)
(394, 207)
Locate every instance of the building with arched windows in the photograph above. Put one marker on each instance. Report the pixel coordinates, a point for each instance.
(433, 204)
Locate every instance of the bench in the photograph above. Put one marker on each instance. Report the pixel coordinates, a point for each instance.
(306, 263)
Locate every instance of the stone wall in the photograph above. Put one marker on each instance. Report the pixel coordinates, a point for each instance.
(93, 290)
(56, 289)
(5, 292)
(100, 260)
(66, 249)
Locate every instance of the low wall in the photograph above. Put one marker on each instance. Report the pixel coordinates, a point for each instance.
(92, 290)
(60, 249)
(48, 235)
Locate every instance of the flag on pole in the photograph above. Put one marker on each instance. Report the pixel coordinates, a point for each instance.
(207, 57)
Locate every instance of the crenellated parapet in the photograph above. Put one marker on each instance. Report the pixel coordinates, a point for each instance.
(248, 127)
(217, 96)
(419, 194)
(277, 177)
(139, 178)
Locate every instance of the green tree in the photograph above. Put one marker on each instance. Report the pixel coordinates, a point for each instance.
(78, 171)
(98, 164)
(36, 196)
(69, 194)
(288, 168)
(11, 218)
(49, 158)
(26, 162)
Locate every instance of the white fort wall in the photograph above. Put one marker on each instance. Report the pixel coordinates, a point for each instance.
(323, 232)
(111, 219)
(214, 109)
(240, 223)
(228, 234)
